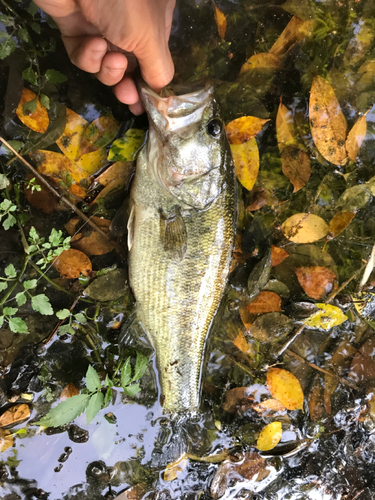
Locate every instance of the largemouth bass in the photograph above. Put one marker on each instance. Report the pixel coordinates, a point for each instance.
(180, 234)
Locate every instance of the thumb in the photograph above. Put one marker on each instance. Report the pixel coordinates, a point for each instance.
(156, 65)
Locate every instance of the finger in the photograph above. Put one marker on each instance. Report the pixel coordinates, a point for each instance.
(126, 91)
(155, 63)
(113, 68)
(137, 108)
(86, 52)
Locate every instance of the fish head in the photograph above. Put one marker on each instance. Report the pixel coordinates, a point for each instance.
(187, 146)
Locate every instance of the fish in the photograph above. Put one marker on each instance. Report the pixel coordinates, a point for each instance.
(180, 234)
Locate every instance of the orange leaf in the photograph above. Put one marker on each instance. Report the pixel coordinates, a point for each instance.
(238, 398)
(72, 263)
(269, 405)
(246, 162)
(37, 121)
(174, 469)
(243, 129)
(316, 281)
(270, 436)
(69, 391)
(90, 241)
(265, 302)
(70, 141)
(6, 440)
(327, 122)
(356, 137)
(14, 415)
(339, 222)
(123, 169)
(278, 255)
(241, 343)
(285, 387)
(263, 60)
(221, 21)
(295, 31)
(315, 401)
(296, 166)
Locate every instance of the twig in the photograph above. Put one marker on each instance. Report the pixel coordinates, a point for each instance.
(333, 294)
(56, 193)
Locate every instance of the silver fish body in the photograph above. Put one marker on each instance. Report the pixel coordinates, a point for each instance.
(180, 235)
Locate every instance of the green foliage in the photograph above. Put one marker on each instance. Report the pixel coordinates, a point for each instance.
(80, 318)
(49, 249)
(30, 76)
(7, 208)
(7, 45)
(54, 76)
(66, 411)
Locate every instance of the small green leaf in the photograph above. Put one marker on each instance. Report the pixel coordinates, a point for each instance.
(10, 311)
(10, 271)
(95, 404)
(30, 284)
(6, 20)
(126, 373)
(54, 76)
(33, 235)
(17, 325)
(107, 397)
(66, 329)
(41, 304)
(9, 222)
(44, 99)
(29, 75)
(33, 9)
(1, 321)
(36, 27)
(63, 314)
(140, 366)
(7, 46)
(23, 34)
(4, 183)
(81, 318)
(92, 379)
(65, 412)
(3, 285)
(108, 382)
(132, 390)
(21, 298)
(30, 107)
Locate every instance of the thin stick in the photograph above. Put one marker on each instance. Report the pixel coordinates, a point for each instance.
(56, 193)
(333, 294)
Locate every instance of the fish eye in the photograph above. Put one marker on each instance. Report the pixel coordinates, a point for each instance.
(214, 127)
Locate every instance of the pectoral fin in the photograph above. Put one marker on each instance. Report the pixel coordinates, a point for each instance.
(131, 228)
(173, 234)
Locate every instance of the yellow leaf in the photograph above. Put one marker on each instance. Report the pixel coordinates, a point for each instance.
(356, 137)
(6, 440)
(339, 222)
(327, 317)
(70, 141)
(285, 129)
(327, 122)
(270, 436)
(304, 228)
(174, 469)
(295, 31)
(37, 121)
(125, 149)
(246, 162)
(263, 60)
(243, 129)
(221, 21)
(94, 161)
(285, 387)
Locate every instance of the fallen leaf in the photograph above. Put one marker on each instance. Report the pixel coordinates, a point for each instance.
(269, 405)
(295, 31)
(43, 200)
(356, 137)
(221, 21)
(296, 166)
(315, 401)
(87, 239)
(126, 148)
(362, 368)
(243, 129)
(6, 440)
(304, 228)
(285, 387)
(69, 391)
(264, 303)
(278, 255)
(72, 263)
(70, 141)
(135, 492)
(326, 318)
(38, 120)
(14, 415)
(238, 398)
(260, 198)
(174, 469)
(316, 281)
(271, 327)
(246, 162)
(327, 122)
(246, 317)
(285, 128)
(98, 134)
(339, 222)
(263, 60)
(93, 162)
(270, 436)
(119, 169)
(241, 343)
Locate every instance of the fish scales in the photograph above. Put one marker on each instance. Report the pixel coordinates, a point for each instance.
(177, 295)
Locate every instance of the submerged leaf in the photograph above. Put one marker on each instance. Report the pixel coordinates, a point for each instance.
(270, 436)
(243, 129)
(316, 281)
(6, 440)
(304, 228)
(37, 119)
(246, 162)
(262, 61)
(285, 387)
(326, 318)
(296, 166)
(126, 148)
(356, 137)
(174, 469)
(285, 128)
(264, 303)
(339, 222)
(98, 134)
(278, 255)
(15, 415)
(295, 31)
(72, 263)
(221, 21)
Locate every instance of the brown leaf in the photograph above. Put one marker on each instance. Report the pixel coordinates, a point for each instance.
(304, 228)
(241, 343)
(6, 440)
(270, 327)
(243, 129)
(174, 469)
(239, 398)
(362, 368)
(356, 137)
(15, 415)
(119, 169)
(43, 200)
(264, 61)
(295, 31)
(316, 281)
(260, 199)
(315, 401)
(72, 263)
(278, 255)
(339, 222)
(264, 303)
(133, 493)
(221, 21)
(296, 166)
(327, 122)
(37, 121)
(88, 240)
(246, 162)
(285, 387)
(69, 391)
(269, 405)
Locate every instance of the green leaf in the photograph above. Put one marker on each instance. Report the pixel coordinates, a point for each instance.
(126, 373)
(95, 404)
(33, 9)
(41, 303)
(65, 412)
(21, 298)
(1, 321)
(33, 235)
(10, 271)
(23, 34)
(132, 390)
(125, 149)
(140, 366)
(55, 237)
(107, 397)
(4, 183)
(29, 75)
(30, 284)
(6, 20)
(54, 76)
(30, 107)
(108, 382)
(3, 285)
(81, 318)
(17, 325)
(9, 222)
(7, 46)
(63, 314)
(10, 311)
(66, 329)
(44, 99)
(92, 379)
(36, 27)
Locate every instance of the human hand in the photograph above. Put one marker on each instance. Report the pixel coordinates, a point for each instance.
(109, 37)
